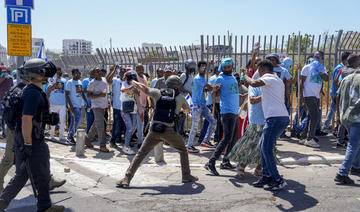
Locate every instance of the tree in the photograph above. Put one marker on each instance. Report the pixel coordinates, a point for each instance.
(294, 42)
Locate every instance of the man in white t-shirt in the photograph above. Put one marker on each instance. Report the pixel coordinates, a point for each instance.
(312, 76)
(97, 92)
(277, 118)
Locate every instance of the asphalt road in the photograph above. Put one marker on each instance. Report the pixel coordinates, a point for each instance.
(91, 187)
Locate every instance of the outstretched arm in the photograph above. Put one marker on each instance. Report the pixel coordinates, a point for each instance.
(250, 81)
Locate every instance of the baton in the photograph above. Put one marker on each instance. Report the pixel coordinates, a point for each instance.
(28, 170)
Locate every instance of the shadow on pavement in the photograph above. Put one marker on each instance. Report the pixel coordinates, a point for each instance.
(184, 189)
(295, 193)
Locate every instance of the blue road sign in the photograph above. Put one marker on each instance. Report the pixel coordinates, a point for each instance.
(25, 3)
(18, 15)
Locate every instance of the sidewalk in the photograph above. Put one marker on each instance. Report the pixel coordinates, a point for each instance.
(288, 151)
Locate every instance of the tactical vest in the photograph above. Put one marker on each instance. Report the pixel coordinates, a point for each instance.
(165, 106)
(39, 119)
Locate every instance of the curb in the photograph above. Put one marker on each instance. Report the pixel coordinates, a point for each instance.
(286, 161)
(313, 160)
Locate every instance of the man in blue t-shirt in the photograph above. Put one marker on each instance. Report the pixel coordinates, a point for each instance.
(209, 104)
(89, 112)
(199, 109)
(74, 97)
(118, 127)
(228, 89)
(56, 95)
(333, 91)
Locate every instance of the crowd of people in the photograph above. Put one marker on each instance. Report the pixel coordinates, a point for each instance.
(154, 113)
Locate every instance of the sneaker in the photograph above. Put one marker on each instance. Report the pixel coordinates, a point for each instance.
(343, 180)
(190, 179)
(312, 143)
(71, 140)
(128, 151)
(262, 181)
(341, 145)
(125, 182)
(89, 144)
(56, 208)
(211, 168)
(355, 171)
(316, 139)
(55, 183)
(327, 130)
(192, 149)
(226, 165)
(320, 133)
(207, 144)
(277, 185)
(104, 149)
(302, 141)
(113, 144)
(293, 134)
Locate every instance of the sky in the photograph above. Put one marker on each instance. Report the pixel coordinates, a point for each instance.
(132, 22)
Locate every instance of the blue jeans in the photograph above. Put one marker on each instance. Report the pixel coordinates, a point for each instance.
(130, 123)
(352, 157)
(331, 113)
(303, 118)
(118, 127)
(89, 118)
(272, 130)
(219, 130)
(77, 112)
(197, 112)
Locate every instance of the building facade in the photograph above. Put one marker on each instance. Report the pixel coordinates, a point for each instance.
(76, 47)
(3, 55)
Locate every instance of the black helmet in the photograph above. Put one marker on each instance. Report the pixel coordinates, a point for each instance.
(37, 68)
(173, 82)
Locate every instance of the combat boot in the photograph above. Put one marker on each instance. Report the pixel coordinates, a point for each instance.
(55, 183)
(125, 182)
(56, 208)
(189, 179)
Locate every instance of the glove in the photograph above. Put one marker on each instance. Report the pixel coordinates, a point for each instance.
(27, 151)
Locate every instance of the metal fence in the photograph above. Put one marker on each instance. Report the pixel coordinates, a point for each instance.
(213, 48)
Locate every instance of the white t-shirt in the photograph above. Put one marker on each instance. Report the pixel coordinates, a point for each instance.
(273, 96)
(313, 82)
(98, 87)
(127, 97)
(189, 82)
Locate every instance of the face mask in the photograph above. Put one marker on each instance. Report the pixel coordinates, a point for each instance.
(227, 73)
(67, 78)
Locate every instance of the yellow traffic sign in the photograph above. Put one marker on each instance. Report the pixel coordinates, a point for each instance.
(19, 40)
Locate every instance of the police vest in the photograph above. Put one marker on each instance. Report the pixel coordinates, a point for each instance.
(165, 106)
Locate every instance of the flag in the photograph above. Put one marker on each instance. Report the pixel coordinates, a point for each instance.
(42, 53)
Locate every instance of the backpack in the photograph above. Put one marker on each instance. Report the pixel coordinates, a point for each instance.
(12, 104)
(165, 106)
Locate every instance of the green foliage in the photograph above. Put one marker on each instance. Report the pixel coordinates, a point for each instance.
(306, 41)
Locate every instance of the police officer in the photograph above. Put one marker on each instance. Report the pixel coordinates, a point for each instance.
(29, 146)
(8, 159)
(168, 103)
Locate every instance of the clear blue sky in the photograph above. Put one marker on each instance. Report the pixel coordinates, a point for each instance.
(132, 22)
